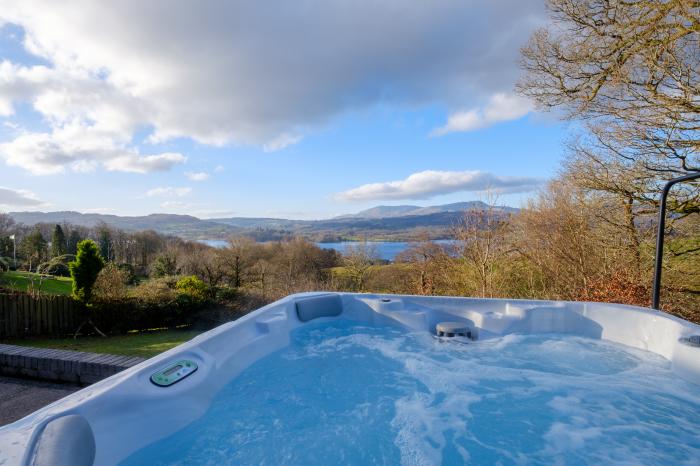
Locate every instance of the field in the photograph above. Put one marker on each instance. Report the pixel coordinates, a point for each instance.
(24, 281)
(142, 344)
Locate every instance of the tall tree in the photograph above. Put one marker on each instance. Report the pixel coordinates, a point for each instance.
(33, 248)
(480, 235)
(104, 239)
(58, 242)
(73, 240)
(85, 268)
(630, 72)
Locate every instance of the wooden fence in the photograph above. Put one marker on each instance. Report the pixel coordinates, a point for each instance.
(24, 315)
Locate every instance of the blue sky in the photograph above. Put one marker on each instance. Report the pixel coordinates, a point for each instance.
(208, 116)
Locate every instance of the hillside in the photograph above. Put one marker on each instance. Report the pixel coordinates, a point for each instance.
(185, 226)
(381, 222)
(414, 210)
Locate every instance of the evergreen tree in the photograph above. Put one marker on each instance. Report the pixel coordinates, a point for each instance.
(58, 242)
(164, 265)
(104, 238)
(5, 246)
(85, 269)
(73, 240)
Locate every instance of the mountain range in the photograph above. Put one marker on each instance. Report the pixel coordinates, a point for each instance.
(389, 211)
(402, 222)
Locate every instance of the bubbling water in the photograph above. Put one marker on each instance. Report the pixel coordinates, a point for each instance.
(344, 393)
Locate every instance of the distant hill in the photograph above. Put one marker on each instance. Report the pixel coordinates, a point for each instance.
(256, 222)
(383, 211)
(382, 222)
(185, 226)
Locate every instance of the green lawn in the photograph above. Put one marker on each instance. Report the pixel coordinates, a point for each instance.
(143, 344)
(21, 281)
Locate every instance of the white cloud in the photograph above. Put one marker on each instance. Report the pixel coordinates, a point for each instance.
(136, 163)
(81, 149)
(197, 176)
(219, 168)
(281, 141)
(18, 198)
(431, 183)
(91, 123)
(79, 139)
(168, 191)
(500, 107)
(109, 71)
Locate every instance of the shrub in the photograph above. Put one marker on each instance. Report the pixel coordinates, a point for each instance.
(110, 284)
(192, 288)
(84, 269)
(164, 265)
(155, 303)
(129, 272)
(57, 266)
(157, 290)
(616, 287)
(227, 294)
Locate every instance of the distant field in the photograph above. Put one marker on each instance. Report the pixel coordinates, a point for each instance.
(22, 281)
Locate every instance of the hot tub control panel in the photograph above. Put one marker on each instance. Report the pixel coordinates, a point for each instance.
(174, 373)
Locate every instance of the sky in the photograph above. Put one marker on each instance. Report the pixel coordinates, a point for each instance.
(303, 109)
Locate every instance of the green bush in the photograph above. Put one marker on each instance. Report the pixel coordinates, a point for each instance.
(192, 288)
(84, 269)
(155, 303)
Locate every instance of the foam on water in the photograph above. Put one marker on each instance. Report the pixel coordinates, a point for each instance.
(348, 394)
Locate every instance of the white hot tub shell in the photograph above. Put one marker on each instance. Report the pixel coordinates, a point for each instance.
(126, 412)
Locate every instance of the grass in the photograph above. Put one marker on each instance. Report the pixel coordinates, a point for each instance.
(142, 344)
(22, 281)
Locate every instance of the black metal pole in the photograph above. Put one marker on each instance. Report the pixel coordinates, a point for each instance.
(661, 233)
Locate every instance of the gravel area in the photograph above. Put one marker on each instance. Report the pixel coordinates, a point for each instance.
(19, 397)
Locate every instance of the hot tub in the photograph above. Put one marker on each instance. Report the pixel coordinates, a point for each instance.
(336, 378)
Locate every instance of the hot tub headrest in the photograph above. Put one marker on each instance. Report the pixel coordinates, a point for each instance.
(327, 305)
(65, 441)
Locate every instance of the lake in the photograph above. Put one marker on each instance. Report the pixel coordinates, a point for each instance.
(386, 250)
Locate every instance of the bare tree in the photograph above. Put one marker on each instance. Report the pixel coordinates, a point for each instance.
(428, 263)
(358, 261)
(558, 235)
(630, 71)
(481, 241)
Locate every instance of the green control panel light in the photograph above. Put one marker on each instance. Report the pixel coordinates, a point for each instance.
(174, 373)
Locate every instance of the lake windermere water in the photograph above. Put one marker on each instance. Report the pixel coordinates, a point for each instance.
(386, 250)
